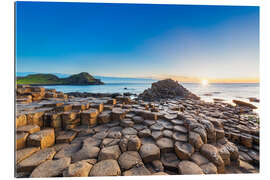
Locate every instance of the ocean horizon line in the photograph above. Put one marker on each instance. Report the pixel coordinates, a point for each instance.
(122, 79)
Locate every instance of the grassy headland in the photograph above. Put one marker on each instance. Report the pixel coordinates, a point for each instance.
(83, 78)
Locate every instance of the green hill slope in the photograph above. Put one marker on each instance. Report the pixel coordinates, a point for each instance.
(48, 79)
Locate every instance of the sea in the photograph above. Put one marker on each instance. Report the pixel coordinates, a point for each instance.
(226, 91)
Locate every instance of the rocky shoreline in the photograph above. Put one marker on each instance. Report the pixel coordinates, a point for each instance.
(170, 133)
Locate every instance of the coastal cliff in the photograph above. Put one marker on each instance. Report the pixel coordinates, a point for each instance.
(82, 78)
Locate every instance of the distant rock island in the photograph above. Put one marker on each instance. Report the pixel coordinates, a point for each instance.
(165, 89)
(82, 78)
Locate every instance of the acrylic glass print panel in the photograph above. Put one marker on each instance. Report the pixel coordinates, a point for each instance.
(136, 89)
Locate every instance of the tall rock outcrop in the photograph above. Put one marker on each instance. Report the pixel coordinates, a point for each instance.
(164, 89)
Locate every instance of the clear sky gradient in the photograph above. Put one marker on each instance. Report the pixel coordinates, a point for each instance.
(187, 43)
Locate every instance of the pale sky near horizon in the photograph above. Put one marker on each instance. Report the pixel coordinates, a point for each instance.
(218, 43)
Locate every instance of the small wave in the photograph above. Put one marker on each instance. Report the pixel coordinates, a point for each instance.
(239, 97)
(216, 92)
(129, 89)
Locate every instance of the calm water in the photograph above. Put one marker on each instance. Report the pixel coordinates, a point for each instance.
(228, 92)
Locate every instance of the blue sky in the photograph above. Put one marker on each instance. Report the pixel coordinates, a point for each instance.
(132, 40)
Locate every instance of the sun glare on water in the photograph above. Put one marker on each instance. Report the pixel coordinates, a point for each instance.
(204, 82)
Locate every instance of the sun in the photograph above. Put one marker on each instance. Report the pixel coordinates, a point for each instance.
(204, 82)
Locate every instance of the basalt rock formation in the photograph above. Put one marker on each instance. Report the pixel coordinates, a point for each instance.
(245, 104)
(57, 135)
(165, 89)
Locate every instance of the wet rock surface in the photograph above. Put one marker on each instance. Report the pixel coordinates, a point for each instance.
(51, 168)
(129, 159)
(105, 135)
(137, 171)
(78, 169)
(188, 167)
(107, 167)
